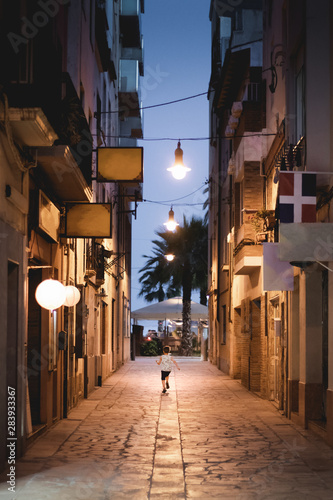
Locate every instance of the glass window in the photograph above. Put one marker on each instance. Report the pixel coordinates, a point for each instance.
(300, 115)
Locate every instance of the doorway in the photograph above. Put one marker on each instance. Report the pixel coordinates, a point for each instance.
(12, 323)
(34, 347)
(275, 350)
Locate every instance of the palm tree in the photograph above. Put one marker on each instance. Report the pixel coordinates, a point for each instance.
(189, 244)
(156, 280)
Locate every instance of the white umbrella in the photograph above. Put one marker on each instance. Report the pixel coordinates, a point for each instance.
(170, 309)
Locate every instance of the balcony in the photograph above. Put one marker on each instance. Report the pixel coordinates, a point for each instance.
(64, 174)
(129, 95)
(248, 259)
(134, 53)
(29, 126)
(95, 264)
(105, 62)
(131, 128)
(130, 22)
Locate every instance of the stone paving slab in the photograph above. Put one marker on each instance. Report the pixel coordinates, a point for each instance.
(207, 438)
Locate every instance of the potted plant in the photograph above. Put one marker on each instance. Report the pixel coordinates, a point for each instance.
(262, 221)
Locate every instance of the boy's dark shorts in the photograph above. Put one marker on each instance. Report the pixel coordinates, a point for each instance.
(164, 375)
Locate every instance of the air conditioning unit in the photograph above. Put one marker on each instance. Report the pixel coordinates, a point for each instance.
(48, 217)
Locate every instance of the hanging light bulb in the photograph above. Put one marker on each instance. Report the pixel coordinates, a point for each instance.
(178, 169)
(171, 224)
(169, 257)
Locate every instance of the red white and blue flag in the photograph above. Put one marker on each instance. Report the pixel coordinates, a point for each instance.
(297, 197)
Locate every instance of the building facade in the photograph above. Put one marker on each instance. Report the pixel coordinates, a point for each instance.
(271, 273)
(69, 87)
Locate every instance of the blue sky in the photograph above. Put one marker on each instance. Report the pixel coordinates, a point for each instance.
(177, 65)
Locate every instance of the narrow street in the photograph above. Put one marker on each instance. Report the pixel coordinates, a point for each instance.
(208, 437)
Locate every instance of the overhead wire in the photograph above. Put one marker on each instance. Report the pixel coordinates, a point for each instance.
(182, 139)
(139, 108)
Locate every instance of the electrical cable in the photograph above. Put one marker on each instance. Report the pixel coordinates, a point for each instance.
(154, 105)
(188, 138)
(177, 199)
(166, 204)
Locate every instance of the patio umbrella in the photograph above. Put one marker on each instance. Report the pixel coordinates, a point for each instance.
(170, 309)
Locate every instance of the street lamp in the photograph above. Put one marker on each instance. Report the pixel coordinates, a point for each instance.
(169, 257)
(178, 169)
(50, 294)
(73, 296)
(171, 224)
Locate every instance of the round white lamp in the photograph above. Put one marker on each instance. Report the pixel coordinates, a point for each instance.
(72, 296)
(50, 294)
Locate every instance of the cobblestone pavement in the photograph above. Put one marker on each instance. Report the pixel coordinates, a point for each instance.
(207, 438)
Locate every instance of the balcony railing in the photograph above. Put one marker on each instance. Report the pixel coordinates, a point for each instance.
(292, 156)
(131, 7)
(95, 264)
(131, 128)
(129, 93)
(134, 53)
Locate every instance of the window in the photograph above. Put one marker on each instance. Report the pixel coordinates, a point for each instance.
(252, 92)
(224, 325)
(238, 204)
(53, 343)
(103, 327)
(300, 108)
(126, 317)
(238, 20)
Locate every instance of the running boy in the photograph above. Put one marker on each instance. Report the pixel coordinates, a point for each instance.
(165, 361)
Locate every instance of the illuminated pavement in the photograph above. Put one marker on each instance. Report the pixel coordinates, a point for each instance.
(206, 438)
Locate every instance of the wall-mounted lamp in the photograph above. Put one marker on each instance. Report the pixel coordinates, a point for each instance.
(171, 224)
(178, 169)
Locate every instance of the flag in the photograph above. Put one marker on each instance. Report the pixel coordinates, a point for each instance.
(297, 197)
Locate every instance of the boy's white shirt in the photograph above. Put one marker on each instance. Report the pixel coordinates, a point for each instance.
(166, 362)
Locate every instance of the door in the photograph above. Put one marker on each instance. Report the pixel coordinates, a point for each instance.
(34, 346)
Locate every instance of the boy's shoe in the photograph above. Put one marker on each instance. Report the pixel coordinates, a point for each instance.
(164, 391)
(167, 385)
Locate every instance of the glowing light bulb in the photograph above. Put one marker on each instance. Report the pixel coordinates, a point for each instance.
(178, 169)
(171, 224)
